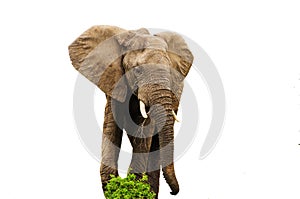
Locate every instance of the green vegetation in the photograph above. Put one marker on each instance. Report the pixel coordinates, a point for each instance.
(128, 188)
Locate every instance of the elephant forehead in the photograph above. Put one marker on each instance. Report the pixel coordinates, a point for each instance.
(146, 56)
(141, 41)
(153, 42)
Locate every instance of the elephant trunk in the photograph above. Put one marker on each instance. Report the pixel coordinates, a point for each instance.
(161, 101)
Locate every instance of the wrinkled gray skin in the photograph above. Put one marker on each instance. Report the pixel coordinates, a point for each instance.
(154, 68)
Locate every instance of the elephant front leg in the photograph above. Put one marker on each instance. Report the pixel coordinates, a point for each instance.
(140, 138)
(111, 144)
(140, 155)
(145, 159)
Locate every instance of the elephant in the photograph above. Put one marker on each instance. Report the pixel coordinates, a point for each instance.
(142, 76)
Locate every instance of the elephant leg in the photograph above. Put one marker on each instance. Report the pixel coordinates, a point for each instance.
(139, 161)
(153, 170)
(140, 137)
(111, 144)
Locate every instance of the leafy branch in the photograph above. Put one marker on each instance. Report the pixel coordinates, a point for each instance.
(128, 188)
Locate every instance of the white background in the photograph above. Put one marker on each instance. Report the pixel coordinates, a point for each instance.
(255, 46)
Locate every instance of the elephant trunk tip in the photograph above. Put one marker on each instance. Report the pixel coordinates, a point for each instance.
(173, 183)
(174, 189)
(174, 192)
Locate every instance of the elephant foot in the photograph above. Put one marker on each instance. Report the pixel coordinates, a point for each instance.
(153, 180)
(106, 172)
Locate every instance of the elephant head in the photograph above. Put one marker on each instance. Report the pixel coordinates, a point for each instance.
(152, 67)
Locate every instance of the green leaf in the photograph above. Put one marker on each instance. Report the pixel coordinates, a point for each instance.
(129, 188)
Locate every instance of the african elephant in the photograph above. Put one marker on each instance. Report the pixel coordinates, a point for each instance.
(142, 77)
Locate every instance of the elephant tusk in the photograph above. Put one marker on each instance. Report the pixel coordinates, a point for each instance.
(143, 110)
(175, 116)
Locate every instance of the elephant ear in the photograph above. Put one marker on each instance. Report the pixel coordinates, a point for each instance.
(178, 51)
(181, 60)
(97, 55)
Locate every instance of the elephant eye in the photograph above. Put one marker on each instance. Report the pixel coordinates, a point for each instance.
(137, 70)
